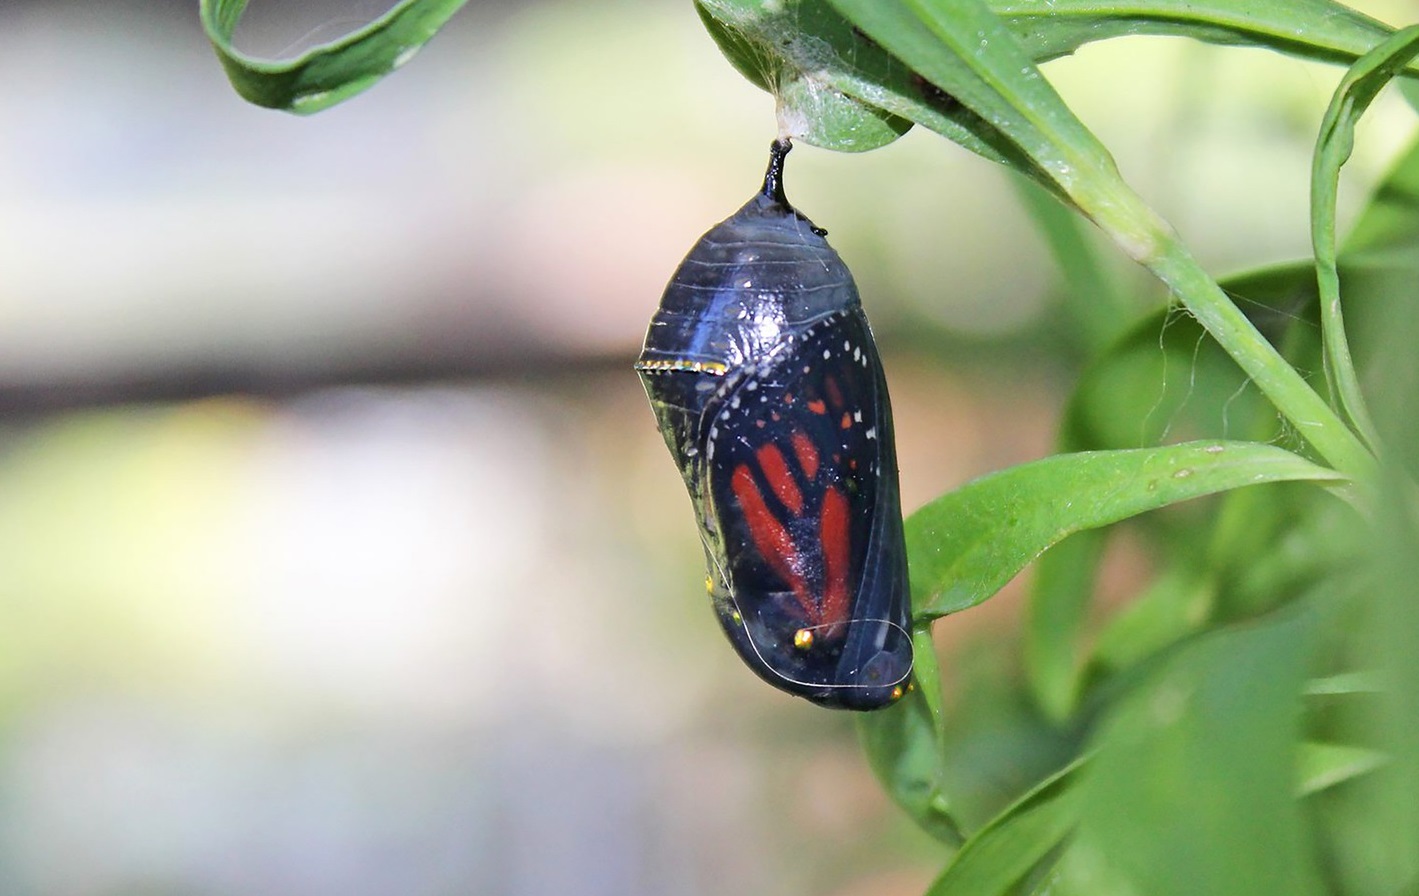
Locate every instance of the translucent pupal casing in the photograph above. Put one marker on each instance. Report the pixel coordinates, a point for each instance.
(767, 387)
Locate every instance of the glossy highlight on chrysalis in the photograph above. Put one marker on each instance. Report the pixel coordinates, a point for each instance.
(767, 387)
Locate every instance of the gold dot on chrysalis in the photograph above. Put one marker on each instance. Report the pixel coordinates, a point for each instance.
(897, 692)
(734, 614)
(803, 639)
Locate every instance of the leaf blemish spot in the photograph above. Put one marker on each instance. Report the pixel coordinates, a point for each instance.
(1168, 704)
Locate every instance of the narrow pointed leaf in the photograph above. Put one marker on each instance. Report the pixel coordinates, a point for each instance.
(332, 72)
(1345, 683)
(1314, 29)
(967, 544)
(905, 745)
(1002, 853)
(1322, 765)
(1059, 603)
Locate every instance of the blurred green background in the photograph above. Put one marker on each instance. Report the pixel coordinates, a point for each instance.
(338, 549)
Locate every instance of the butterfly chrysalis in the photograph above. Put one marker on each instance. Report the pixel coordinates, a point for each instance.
(767, 387)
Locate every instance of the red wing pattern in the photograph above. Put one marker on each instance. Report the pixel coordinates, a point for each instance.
(803, 483)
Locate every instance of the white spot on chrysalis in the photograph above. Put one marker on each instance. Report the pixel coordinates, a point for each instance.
(827, 354)
(872, 433)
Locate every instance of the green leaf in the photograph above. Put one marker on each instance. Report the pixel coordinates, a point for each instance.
(1337, 139)
(810, 108)
(1323, 766)
(967, 544)
(1011, 845)
(780, 43)
(332, 72)
(1314, 29)
(1054, 621)
(963, 49)
(904, 744)
(838, 89)
(1192, 788)
(1345, 683)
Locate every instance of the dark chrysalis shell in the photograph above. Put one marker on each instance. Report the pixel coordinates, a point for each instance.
(766, 384)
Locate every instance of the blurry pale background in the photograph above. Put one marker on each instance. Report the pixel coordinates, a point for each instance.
(338, 551)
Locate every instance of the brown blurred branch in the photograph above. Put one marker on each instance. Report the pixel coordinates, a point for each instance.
(23, 401)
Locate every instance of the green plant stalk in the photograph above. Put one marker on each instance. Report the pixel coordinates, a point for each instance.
(1137, 229)
(1333, 147)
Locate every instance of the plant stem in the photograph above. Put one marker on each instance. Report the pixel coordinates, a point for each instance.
(1127, 220)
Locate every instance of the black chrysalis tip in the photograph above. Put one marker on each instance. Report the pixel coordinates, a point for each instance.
(773, 180)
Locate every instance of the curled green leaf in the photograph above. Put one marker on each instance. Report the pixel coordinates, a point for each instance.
(1337, 139)
(329, 73)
